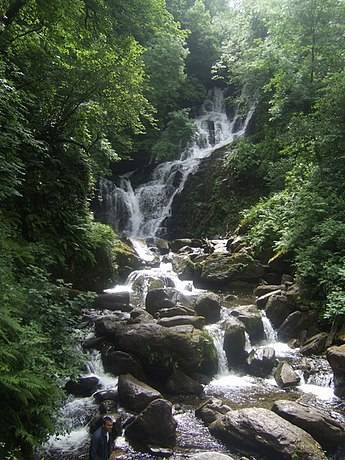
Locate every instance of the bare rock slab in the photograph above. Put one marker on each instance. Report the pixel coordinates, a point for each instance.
(262, 431)
(134, 394)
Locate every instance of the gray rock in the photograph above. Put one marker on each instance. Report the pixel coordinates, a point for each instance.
(250, 316)
(210, 456)
(261, 361)
(208, 306)
(139, 315)
(175, 311)
(195, 321)
(157, 299)
(134, 394)
(267, 289)
(210, 410)
(315, 345)
(261, 431)
(262, 300)
(294, 325)
(155, 425)
(235, 343)
(325, 429)
(176, 245)
(336, 358)
(285, 376)
(278, 309)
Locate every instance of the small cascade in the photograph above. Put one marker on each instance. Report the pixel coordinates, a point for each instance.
(140, 212)
(270, 333)
(217, 335)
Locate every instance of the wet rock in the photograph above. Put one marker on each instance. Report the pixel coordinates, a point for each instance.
(195, 321)
(336, 358)
(155, 425)
(135, 395)
(261, 301)
(250, 316)
(261, 431)
(267, 289)
(278, 309)
(210, 410)
(143, 282)
(160, 348)
(93, 343)
(261, 361)
(160, 452)
(157, 299)
(119, 362)
(108, 325)
(180, 383)
(318, 423)
(208, 306)
(235, 243)
(114, 301)
(315, 345)
(296, 323)
(106, 395)
(83, 387)
(175, 311)
(162, 245)
(184, 267)
(220, 270)
(285, 376)
(235, 343)
(176, 245)
(210, 456)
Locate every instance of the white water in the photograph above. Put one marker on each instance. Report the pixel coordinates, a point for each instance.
(140, 212)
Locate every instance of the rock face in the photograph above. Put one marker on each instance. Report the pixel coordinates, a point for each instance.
(155, 425)
(336, 358)
(235, 343)
(208, 306)
(134, 394)
(220, 269)
(159, 349)
(262, 431)
(250, 316)
(322, 427)
(285, 376)
(261, 361)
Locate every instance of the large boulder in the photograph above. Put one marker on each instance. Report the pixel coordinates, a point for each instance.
(83, 387)
(118, 362)
(267, 289)
(315, 345)
(261, 361)
(164, 298)
(195, 321)
(184, 267)
(181, 383)
(261, 431)
(175, 311)
(139, 315)
(134, 394)
(329, 432)
(278, 309)
(250, 316)
(336, 358)
(208, 306)
(155, 425)
(285, 375)
(159, 349)
(262, 300)
(210, 410)
(219, 269)
(235, 343)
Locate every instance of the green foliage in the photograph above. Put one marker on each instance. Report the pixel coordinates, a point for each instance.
(176, 137)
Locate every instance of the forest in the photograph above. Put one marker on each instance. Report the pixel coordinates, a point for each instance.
(91, 88)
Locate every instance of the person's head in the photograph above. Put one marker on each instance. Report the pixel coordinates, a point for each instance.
(107, 423)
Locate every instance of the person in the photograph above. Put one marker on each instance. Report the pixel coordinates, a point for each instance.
(101, 441)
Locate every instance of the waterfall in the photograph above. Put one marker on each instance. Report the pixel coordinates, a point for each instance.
(140, 212)
(217, 334)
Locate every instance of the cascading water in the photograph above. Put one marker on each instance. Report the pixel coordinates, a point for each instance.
(140, 212)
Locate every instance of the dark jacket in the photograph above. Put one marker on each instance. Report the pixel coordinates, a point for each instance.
(100, 449)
